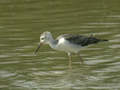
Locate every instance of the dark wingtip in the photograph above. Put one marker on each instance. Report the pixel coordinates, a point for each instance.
(105, 40)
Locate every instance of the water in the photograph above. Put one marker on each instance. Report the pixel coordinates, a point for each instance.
(22, 21)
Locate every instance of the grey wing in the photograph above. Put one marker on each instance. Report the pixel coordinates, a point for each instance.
(64, 36)
(79, 39)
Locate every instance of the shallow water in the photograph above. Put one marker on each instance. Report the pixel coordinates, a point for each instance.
(22, 21)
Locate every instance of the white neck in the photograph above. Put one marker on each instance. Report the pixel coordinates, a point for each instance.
(52, 43)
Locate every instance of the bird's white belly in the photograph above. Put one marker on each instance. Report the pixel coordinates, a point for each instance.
(64, 45)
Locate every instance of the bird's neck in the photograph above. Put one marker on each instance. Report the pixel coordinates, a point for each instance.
(52, 42)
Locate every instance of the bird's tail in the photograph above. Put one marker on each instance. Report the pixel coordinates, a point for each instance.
(103, 40)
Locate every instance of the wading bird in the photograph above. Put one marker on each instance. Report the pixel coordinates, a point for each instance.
(68, 43)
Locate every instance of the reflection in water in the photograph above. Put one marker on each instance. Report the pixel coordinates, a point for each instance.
(21, 23)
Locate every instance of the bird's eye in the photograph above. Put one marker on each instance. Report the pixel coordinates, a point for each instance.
(42, 38)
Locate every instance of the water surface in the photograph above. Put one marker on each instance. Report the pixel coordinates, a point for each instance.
(22, 21)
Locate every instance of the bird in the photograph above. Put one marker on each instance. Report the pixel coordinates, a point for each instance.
(69, 43)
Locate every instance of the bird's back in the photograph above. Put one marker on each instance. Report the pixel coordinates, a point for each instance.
(80, 40)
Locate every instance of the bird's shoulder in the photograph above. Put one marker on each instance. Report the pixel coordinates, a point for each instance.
(70, 36)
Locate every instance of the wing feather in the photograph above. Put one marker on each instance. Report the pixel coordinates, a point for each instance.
(79, 39)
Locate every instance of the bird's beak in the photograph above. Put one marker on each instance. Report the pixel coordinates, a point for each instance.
(37, 48)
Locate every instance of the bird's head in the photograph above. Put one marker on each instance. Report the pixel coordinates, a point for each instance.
(45, 38)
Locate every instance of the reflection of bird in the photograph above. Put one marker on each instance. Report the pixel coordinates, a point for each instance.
(68, 43)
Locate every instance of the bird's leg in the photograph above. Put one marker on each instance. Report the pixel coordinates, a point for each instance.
(82, 61)
(70, 60)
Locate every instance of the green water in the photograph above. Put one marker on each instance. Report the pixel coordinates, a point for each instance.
(22, 21)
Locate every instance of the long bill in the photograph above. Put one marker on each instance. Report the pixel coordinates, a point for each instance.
(37, 49)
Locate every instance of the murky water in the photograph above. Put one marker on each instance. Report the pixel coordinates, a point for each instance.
(22, 21)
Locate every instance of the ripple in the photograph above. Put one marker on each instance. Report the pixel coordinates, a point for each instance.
(115, 46)
(9, 62)
(6, 74)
